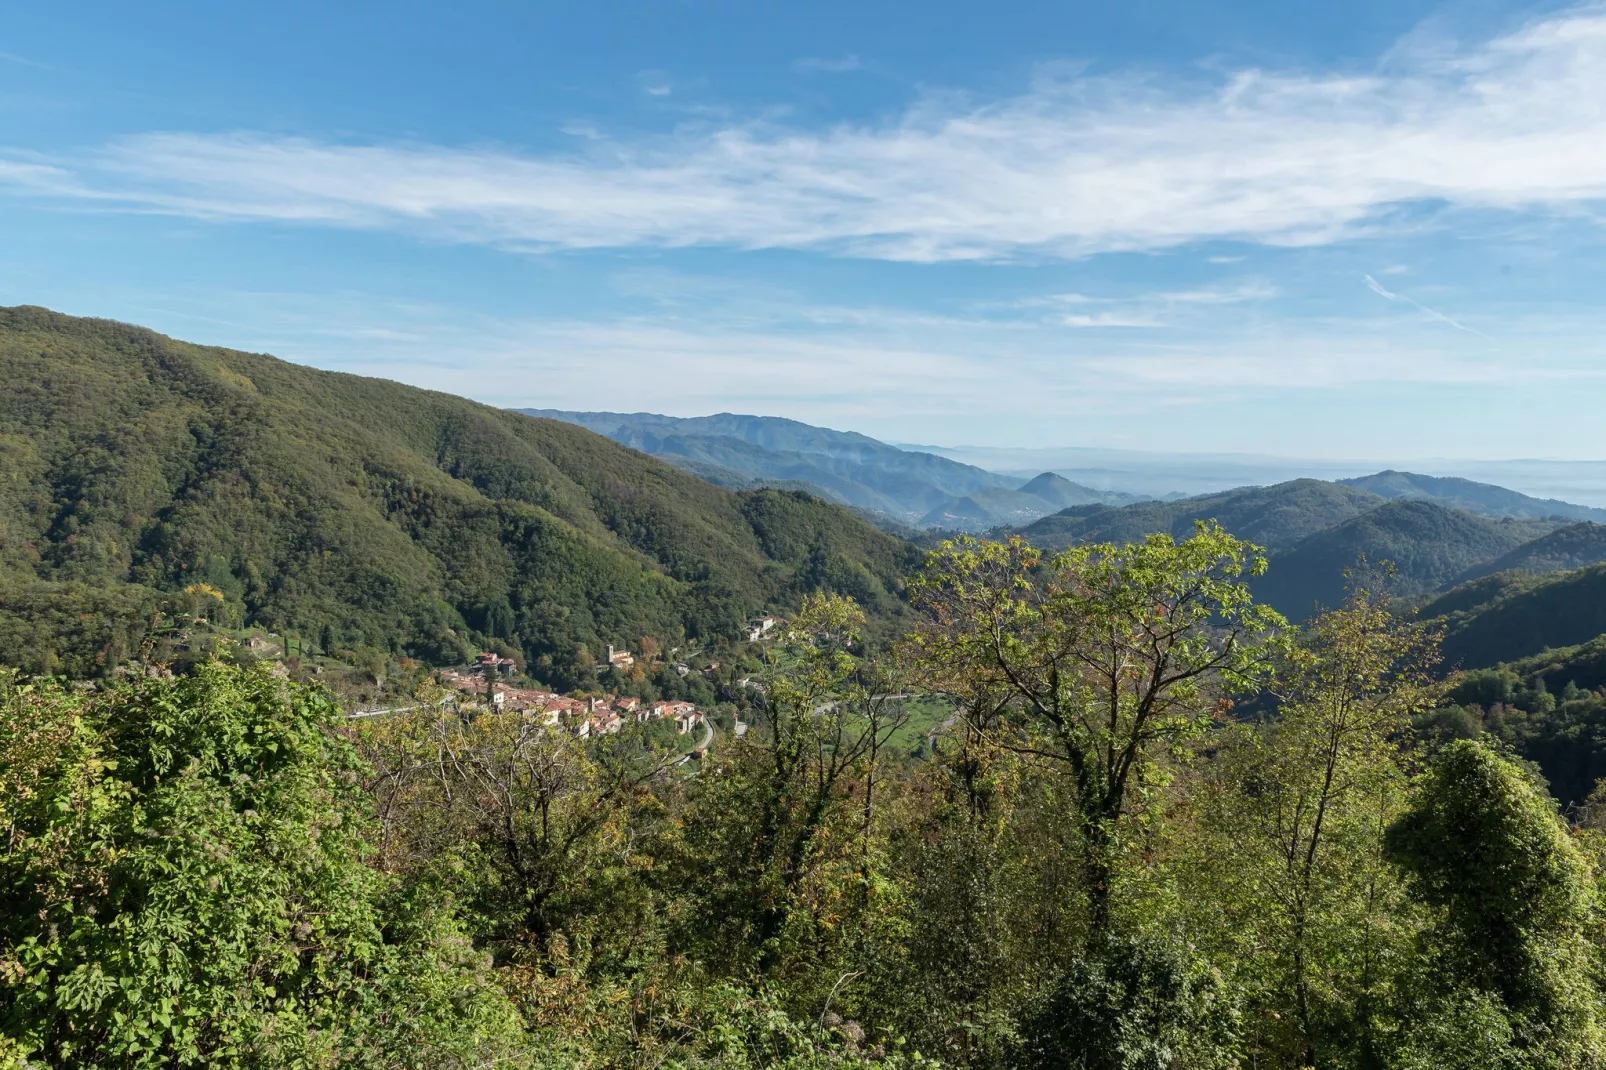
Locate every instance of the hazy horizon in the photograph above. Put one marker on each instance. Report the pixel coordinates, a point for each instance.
(1158, 473)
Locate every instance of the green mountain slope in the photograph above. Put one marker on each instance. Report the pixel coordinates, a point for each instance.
(1276, 517)
(852, 468)
(1574, 546)
(1550, 707)
(1428, 545)
(1512, 616)
(1483, 499)
(360, 511)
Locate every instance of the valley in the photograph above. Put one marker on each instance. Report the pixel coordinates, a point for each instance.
(601, 674)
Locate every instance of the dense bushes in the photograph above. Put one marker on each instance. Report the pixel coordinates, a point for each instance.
(1094, 865)
(187, 884)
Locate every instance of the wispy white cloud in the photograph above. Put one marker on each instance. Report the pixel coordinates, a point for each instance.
(1109, 319)
(655, 83)
(1073, 167)
(1377, 288)
(778, 350)
(1157, 309)
(35, 176)
(1253, 290)
(24, 61)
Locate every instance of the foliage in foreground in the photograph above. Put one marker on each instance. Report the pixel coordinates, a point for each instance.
(185, 883)
(1096, 864)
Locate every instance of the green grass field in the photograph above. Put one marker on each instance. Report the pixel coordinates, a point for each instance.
(926, 715)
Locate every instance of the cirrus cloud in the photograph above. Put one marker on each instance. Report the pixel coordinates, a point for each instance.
(1070, 168)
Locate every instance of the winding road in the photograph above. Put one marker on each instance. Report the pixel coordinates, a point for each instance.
(708, 740)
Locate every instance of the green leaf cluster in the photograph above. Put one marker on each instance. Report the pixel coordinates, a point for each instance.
(186, 883)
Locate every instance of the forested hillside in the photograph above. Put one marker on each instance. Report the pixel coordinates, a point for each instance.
(1427, 545)
(359, 511)
(1573, 546)
(1513, 615)
(1549, 706)
(1275, 517)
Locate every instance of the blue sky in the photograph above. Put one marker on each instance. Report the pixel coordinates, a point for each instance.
(1360, 230)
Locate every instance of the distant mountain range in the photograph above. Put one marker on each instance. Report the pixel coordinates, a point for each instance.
(906, 486)
(994, 506)
(926, 487)
(1158, 474)
(1434, 533)
(1482, 498)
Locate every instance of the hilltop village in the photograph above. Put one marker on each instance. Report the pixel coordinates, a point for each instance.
(582, 717)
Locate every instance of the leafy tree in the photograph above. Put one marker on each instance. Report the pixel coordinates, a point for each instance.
(1099, 660)
(1132, 1005)
(1513, 900)
(185, 884)
(782, 832)
(1289, 847)
(537, 814)
(204, 600)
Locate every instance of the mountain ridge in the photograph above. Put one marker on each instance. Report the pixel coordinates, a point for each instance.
(1425, 545)
(850, 468)
(1276, 517)
(906, 486)
(1315, 530)
(368, 512)
(1485, 499)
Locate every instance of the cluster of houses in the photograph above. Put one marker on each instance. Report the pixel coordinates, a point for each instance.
(583, 717)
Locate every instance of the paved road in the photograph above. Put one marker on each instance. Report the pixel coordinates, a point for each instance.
(360, 714)
(708, 740)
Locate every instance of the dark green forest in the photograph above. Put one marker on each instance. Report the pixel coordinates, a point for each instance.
(358, 512)
(1428, 547)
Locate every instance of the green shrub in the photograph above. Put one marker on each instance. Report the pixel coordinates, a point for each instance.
(186, 885)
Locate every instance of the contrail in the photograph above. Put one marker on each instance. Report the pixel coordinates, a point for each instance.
(1378, 289)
